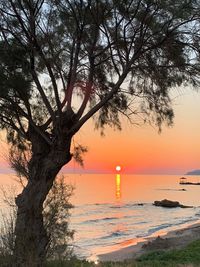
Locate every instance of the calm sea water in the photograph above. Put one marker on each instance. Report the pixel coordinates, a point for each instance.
(115, 211)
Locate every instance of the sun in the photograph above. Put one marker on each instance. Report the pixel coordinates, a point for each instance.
(118, 168)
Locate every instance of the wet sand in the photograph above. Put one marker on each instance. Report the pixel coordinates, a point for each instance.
(172, 240)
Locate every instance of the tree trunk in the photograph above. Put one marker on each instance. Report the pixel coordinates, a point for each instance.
(31, 237)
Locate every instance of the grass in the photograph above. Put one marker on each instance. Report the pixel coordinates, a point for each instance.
(72, 263)
(187, 257)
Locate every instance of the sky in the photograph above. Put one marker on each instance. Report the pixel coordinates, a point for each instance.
(141, 149)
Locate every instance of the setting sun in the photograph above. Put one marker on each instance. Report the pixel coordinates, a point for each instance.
(118, 168)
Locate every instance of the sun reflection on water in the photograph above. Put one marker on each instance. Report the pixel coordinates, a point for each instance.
(118, 186)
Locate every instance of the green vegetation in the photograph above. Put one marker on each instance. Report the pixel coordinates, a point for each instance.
(56, 212)
(187, 257)
(190, 254)
(73, 262)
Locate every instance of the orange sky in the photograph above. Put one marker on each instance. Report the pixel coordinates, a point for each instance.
(141, 149)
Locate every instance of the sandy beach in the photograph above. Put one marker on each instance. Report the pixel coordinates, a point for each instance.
(169, 241)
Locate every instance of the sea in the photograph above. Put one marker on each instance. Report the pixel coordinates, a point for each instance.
(113, 211)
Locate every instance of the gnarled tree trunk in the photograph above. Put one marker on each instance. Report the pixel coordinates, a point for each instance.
(31, 237)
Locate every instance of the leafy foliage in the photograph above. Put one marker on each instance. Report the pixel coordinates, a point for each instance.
(93, 49)
(56, 218)
(78, 153)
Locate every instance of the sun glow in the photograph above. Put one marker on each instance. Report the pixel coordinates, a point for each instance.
(118, 168)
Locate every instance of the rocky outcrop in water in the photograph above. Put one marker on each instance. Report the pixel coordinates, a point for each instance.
(169, 204)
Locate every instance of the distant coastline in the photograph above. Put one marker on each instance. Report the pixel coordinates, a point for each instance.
(193, 172)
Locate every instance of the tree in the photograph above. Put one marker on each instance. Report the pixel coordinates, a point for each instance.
(56, 214)
(105, 54)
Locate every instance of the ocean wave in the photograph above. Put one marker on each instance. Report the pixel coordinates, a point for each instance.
(100, 220)
(142, 222)
(137, 204)
(117, 206)
(82, 211)
(128, 205)
(101, 204)
(187, 220)
(115, 234)
(157, 228)
(110, 219)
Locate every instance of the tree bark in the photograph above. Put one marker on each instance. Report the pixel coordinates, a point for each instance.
(31, 237)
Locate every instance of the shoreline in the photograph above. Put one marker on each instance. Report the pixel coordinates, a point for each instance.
(174, 239)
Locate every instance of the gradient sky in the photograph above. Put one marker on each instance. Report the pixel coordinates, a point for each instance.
(141, 149)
